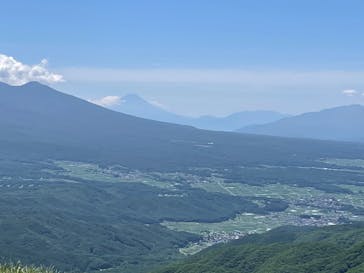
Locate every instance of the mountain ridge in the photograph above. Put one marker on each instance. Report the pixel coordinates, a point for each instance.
(39, 118)
(135, 105)
(342, 123)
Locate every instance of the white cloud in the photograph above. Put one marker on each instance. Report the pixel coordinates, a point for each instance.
(350, 92)
(157, 103)
(107, 101)
(110, 101)
(16, 73)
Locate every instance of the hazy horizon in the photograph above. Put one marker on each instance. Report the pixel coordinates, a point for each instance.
(191, 58)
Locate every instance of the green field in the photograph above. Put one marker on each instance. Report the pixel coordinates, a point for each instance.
(345, 162)
(308, 205)
(286, 192)
(114, 174)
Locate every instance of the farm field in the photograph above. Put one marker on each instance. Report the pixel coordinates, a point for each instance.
(306, 205)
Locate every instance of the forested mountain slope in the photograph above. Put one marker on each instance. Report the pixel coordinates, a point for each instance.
(338, 249)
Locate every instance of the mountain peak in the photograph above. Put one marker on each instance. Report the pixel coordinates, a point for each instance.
(135, 105)
(28, 84)
(3, 84)
(133, 98)
(33, 84)
(27, 87)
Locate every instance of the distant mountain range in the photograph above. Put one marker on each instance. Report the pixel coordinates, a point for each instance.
(37, 121)
(345, 123)
(133, 104)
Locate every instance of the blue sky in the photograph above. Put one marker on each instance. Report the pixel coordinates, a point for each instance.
(196, 57)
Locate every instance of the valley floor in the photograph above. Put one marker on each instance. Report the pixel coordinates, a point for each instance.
(174, 214)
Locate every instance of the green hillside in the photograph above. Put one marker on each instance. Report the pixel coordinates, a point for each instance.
(335, 249)
(84, 224)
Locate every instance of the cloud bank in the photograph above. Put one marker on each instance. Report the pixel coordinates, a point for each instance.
(107, 101)
(350, 92)
(14, 72)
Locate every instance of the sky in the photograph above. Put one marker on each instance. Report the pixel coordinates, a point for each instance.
(191, 57)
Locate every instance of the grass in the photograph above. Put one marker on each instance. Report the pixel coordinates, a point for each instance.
(19, 268)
